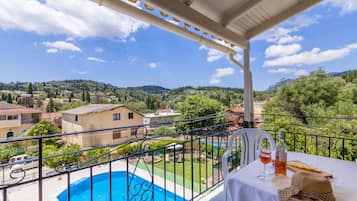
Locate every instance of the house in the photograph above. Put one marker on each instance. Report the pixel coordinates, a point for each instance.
(160, 116)
(100, 116)
(54, 117)
(15, 120)
(236, 116)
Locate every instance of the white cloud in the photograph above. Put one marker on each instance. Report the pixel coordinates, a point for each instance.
(220, 73)
(153, 64)
(282, 50)
(290, 39)
(96, 59)
(52, 50)
(61, 45)
(215, 55)
(293, 25)
(347, 6)
(74, 18)
(315, 56)
(99, 49)
(303, 20)
(132, 39)
(297, 72)
(274, 34)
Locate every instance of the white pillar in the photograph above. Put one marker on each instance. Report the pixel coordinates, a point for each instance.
(248, 88)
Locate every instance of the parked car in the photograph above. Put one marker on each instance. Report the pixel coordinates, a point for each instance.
(22, 162)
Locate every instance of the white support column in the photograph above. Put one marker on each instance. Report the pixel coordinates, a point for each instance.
(248, 89)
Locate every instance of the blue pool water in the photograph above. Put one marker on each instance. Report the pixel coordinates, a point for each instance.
(80, 190)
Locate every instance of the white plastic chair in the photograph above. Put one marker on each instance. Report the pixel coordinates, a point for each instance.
(251, 140)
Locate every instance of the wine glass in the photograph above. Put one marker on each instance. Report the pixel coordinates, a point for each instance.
(265, 158)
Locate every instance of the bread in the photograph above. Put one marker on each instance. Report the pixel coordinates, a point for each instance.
(303, 166)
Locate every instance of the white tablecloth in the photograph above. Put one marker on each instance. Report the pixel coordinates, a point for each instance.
(244, 185)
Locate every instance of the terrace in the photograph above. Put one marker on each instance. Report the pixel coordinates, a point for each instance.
(189, 166)
(186, 165)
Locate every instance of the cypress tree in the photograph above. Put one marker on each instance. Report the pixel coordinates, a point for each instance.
(83, 96)
(70, 97)
(50, 106)
(29, 89)
(3, 97)
(87, 97)
(9, 98)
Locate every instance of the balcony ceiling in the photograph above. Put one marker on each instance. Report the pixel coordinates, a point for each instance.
(233, 21)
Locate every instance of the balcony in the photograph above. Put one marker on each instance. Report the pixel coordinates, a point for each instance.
(181, 166)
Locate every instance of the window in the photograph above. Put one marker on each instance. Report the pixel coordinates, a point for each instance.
(130, 115)
(10, 134)
(12, 117)
(76, 118)
(116, 116)
(133, 131)
(2, 117)
(116, 134)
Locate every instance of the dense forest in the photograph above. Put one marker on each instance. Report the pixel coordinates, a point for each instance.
(319, 104)
(79, 92)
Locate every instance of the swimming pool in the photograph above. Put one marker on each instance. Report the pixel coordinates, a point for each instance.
(80, 190)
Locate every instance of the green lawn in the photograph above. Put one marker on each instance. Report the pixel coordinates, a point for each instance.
(182, 168)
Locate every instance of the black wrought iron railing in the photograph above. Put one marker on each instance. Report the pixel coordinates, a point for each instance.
(133, 164)
(334, 137)
(176, 166)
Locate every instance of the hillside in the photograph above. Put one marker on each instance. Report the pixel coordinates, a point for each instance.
(349, 76)
(142, 98)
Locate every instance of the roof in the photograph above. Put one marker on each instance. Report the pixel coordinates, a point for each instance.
(93, 108)
(8, 106)
(11, 108)
(232, 21)
(236, 110)
(163, 113)
(51, 115)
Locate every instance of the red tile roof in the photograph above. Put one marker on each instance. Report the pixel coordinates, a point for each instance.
(11, 108)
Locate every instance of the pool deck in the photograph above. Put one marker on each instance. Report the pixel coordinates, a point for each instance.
(55, 185)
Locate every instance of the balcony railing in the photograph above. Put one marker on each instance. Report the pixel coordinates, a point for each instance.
(178, 166)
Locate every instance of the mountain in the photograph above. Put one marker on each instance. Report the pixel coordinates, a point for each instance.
(152, 89)
(349, 76)
(278, 84)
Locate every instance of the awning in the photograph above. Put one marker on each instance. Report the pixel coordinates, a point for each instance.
(221, 24)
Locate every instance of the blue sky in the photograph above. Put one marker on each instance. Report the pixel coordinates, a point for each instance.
(75, 39)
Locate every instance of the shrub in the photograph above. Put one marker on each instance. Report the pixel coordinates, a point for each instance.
(164, 130)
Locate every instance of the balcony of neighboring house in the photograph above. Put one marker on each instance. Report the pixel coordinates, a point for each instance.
(30, 118)
(186, 165)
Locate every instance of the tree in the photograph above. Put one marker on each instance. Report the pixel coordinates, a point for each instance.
(98, 155)
(9, 98)
(70, 97)
(29, 89)
(3, 97)
(312, 100)
(199, 106)
(50, 106)
(43, 128)
(68, 159)
(83, 96)
(164, 130)
(87, 97)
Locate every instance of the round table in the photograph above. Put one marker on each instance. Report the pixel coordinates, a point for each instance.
(243, 184)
